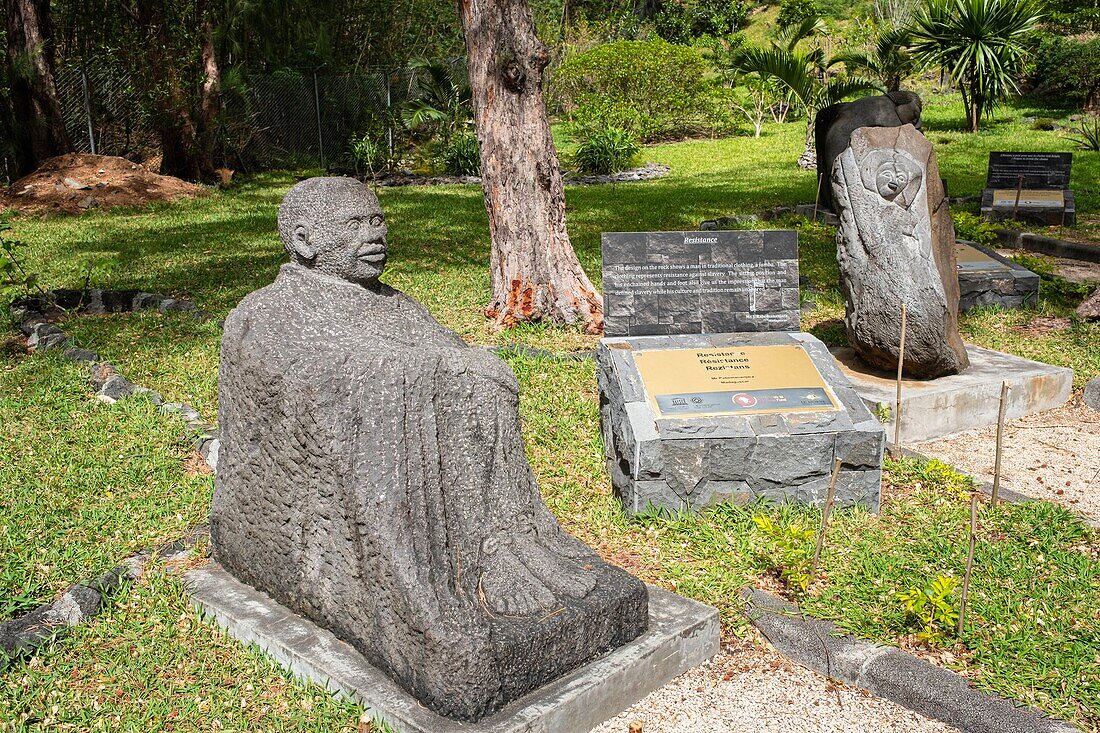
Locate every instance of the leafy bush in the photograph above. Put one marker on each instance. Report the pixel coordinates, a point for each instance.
(933, 608)
(1067, 71)
(1043, 124)
(974, 228)
(653, 89)
(461, 157)
(682, 22)
(606, 151)
(793, 12)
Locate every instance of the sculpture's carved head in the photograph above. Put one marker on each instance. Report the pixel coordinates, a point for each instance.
(335, 226)
(893, 174)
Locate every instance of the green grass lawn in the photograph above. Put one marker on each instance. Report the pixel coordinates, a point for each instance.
(84, 484)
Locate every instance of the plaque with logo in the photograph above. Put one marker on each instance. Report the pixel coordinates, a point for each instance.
(737, 380)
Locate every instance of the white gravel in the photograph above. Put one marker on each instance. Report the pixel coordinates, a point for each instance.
(1054, 455)
(749, 687)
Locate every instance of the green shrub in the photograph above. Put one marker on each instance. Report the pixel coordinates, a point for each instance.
(684, 21)
(1067, 71)
(606, 151)
(791, 551)
(793, 12)
(974, 228)
(653, 89)
(1043, 124)
(461, 157)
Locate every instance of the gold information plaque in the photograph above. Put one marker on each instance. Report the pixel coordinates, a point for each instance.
(1029, 198)
(735, 380)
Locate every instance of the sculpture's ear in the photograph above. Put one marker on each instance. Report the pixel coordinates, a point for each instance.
(299, 241)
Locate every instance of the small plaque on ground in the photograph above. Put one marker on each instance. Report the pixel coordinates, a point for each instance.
(669, 283)
(1028, 198)
(1029, 170)
(743, 380)
(987, 278)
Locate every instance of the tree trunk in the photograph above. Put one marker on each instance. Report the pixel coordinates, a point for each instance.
(535, 272)
(808, 160)
(183, 125)
(40, 127)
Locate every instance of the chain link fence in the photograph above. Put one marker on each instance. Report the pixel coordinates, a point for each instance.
(289, 118)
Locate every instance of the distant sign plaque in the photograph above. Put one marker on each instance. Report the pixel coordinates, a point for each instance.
(675, 283)
(1029, 170)
(738, 380)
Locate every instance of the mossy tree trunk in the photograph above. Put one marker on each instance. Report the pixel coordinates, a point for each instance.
(536, 275)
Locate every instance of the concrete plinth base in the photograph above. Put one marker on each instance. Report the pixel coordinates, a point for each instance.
(937, 407)
(681, 463)
(682, 634)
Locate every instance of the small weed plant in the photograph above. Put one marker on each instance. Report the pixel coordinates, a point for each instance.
(933, 609)
(16, 281)
(606, 151)
(461, 157)
(792, 551)
(370, 154)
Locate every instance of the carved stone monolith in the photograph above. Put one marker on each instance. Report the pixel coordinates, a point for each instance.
(372, 478)
(895, 245)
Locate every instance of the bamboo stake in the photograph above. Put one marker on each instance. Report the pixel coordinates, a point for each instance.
(825, 513)
(897, 402)
(969, 558)
(1000, 438)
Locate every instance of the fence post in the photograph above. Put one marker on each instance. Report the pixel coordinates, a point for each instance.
(317, 104)
(87, 108)
(389, 114)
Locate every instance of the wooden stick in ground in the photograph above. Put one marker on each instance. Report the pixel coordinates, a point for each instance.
(825, 515)
(897, 402)
(1000, 438)
(969, 558)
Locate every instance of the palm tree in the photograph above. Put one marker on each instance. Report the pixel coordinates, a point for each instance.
(981, 43)
(890, 63)
(805, 75)
(442, 102)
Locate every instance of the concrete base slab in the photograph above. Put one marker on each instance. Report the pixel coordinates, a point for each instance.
(682, 634)
(937, 407)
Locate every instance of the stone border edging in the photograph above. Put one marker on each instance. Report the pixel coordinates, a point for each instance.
(22, 635)
(647, 172)
(1019, 239)
(889, 672)
(110, 386)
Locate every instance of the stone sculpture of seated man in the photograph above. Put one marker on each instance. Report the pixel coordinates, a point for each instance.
(373, 478)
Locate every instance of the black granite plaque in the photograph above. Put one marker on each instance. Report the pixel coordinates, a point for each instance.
(667, 283)
(1036, 170)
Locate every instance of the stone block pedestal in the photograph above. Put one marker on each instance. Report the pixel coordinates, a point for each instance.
(933, 408)
(682, 633)
(684, 463)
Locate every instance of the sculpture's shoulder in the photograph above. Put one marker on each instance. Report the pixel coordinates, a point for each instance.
(417, 323)
(278, 301)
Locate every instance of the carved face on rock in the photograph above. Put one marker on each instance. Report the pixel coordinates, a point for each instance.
(335, 226)
(893, 174)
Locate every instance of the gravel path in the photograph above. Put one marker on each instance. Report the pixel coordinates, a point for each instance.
(1054, 455)
(750, 688)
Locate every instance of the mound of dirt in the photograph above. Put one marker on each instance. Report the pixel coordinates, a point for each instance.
(80, 181)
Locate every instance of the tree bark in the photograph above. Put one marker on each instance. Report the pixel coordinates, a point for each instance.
(40, 127)
(535, 272)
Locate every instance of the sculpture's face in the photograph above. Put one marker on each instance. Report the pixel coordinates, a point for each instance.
(352, 244)
(891, 181)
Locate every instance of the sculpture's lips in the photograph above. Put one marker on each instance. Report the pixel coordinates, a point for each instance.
(372, 252)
